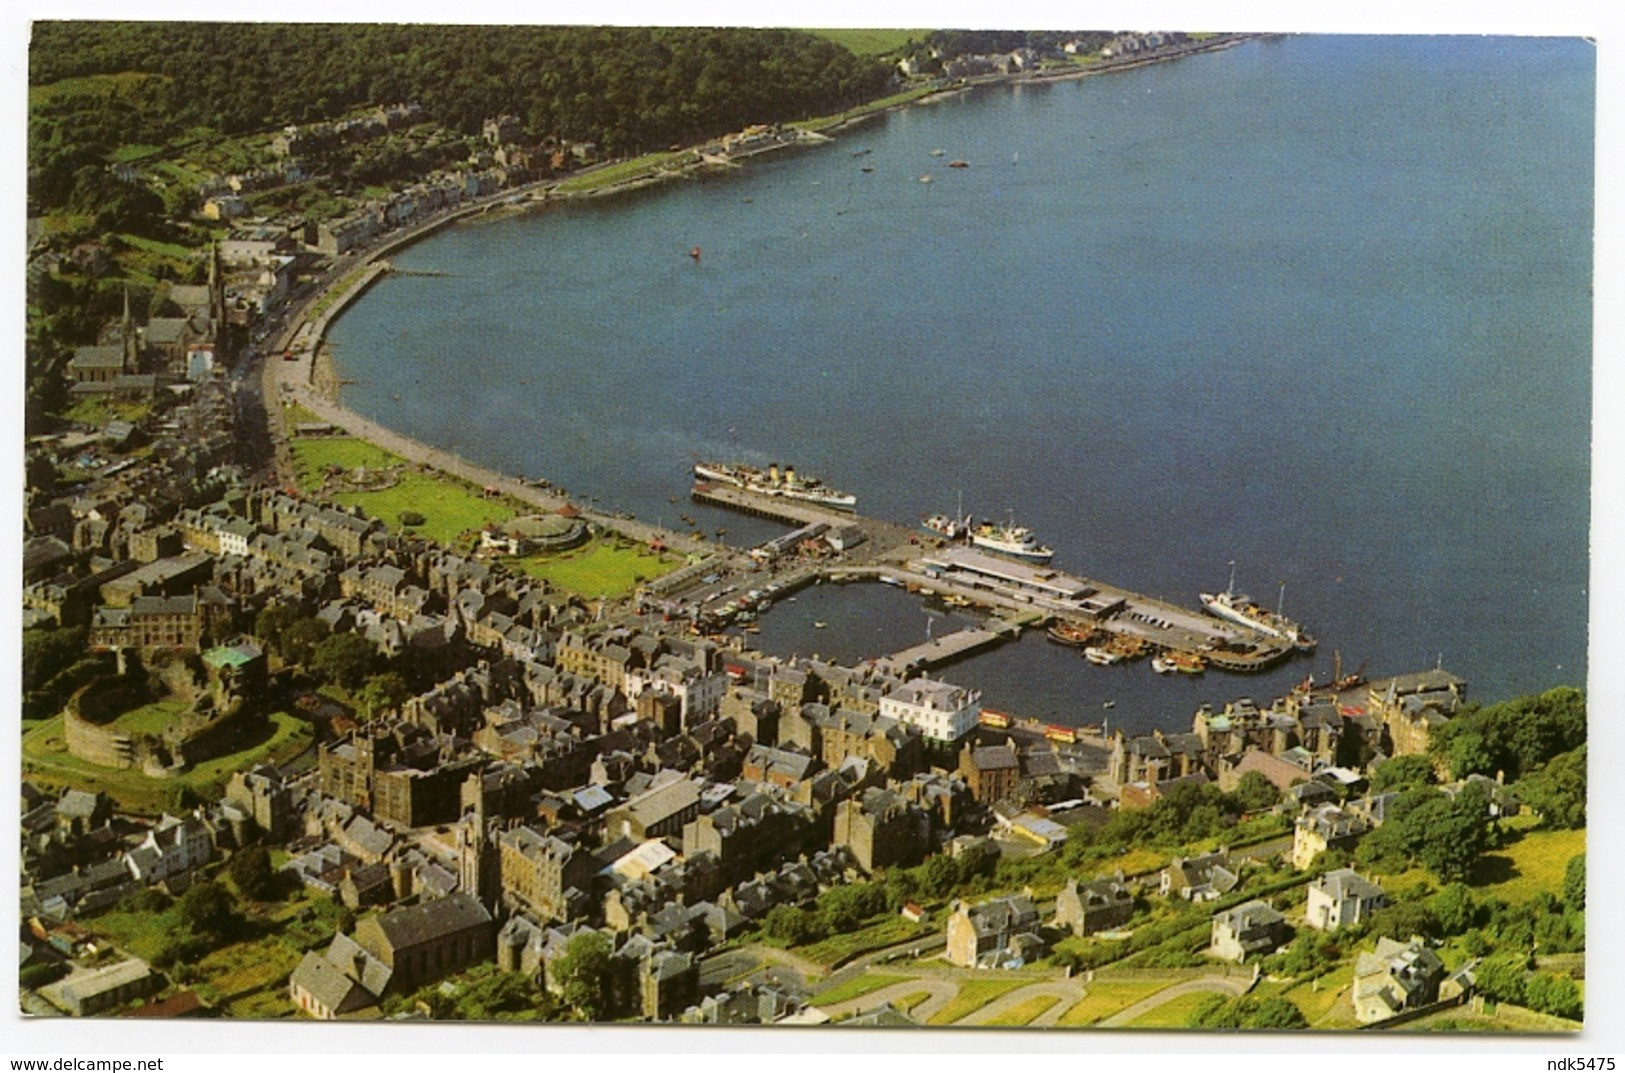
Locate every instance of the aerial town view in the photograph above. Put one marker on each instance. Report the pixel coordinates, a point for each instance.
(756, 526)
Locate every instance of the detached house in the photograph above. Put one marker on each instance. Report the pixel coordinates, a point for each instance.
(1250, 928)
(1395, 977)
(1002, 933)
(1198, 879)
(1097, 905)
(1338, 899)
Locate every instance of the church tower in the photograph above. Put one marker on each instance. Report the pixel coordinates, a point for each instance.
(132, 345)
(474, 864)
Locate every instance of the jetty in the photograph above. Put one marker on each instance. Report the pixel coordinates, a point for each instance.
(1026, 593)
(946, 649)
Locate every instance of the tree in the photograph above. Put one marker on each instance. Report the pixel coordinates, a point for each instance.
(1555, 995)
(209, 910)
(1405, 917)
(1574, 884)
(792, 926)
(345, 659)
(1402, 772)
(1275, 1014)
(1255, 793)
(251, 871)
(1501, 977)
(1558, 790)
(382, 692)
(47, 651)
(844, 908)
(1454, 909)
(941, 876)
(583, 972)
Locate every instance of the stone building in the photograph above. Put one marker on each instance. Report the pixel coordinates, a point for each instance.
(1097, 905)
(538, 871)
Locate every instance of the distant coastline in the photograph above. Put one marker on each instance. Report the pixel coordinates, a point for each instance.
(338, 294)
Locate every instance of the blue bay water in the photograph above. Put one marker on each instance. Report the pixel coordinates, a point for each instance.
(1319, 305)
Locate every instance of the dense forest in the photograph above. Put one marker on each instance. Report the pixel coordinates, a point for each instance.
(627, 89)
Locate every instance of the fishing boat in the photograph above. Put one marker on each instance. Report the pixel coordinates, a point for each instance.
(1068, 633)
(1176, 661)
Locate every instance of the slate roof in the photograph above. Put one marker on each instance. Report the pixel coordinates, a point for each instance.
(419, 924)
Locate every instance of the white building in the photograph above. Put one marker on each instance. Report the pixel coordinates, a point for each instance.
(171, 847)
(698, 692)
(1340, 898)
(944, 713)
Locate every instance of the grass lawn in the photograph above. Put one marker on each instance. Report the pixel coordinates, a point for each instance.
(973, 995)
(1532, 864)
(911, 1000)
(1505, 1019)
(162, 249)
(150, 718)
(46, 758)
(98, 412)
(604, 566)
(449, 507)
(1106, 997)
(1327, 1006)
(183, 174)
(624, 171)
(241, 969)
(248, 976)
(857, 986)
(335, 292)
(295, 414)
(821, 122)
(1024, 1013)
(1175, 1013)
(870, 42)
(313, 454)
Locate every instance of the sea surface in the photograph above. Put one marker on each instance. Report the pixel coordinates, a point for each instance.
(1319, 306)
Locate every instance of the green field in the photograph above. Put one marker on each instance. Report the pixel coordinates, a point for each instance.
(449, 507)
(121, 84)
(1504, 1019)
(856, 987)
(603, 567)
(46, 758)
(870, 42)
(313, 454)
(973, 995)
(1175, 1013)
(1106, 997)
(1528, 866)
(162, 249)
(1024, 1013)
(891, 929)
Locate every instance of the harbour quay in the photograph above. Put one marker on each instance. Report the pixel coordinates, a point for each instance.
(886, 551)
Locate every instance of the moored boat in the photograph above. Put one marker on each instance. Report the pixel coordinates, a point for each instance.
(1010, 539)
(1068, 633)
(1236, 607)
(774, 482)
(1175, 661)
